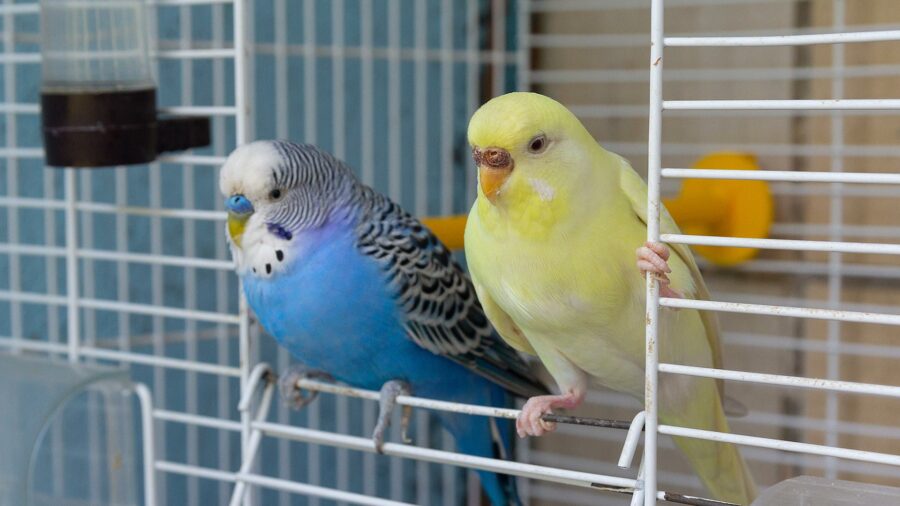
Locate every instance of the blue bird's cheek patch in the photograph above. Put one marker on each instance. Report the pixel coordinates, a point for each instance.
(279, 231)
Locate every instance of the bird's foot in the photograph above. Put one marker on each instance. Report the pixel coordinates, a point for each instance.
(291, 394)
(529, 421)
(652, 258)
(389, 393)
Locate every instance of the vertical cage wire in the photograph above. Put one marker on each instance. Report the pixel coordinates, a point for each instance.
(393, 27)
(342, 405)
(836, 219)
(90, 332)
(190, 285)
(223, 393)
(654, 162)
(523, 80)
(282, 132)
(310, 135)
(12, 222)
(472, 69)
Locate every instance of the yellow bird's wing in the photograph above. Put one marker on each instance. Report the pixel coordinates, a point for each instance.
(721, 467)
(503, 324)
(636, 189)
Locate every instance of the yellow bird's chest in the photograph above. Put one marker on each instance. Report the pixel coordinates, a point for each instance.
(586, 280)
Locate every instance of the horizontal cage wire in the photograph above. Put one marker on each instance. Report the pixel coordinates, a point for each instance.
(130, 266)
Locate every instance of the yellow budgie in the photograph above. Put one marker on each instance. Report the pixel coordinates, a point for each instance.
(550, 243)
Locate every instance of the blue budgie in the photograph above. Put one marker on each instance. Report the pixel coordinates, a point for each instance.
(360, 291)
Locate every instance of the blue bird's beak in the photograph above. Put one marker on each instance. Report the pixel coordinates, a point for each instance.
(239, 211)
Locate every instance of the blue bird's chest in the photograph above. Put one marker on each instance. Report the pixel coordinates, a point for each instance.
(332, 309)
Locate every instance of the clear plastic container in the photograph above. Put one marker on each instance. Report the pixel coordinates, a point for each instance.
(67, 434)
(94, 46)
(814, 491)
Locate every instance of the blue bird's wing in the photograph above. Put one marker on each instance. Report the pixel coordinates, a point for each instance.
(442, 312)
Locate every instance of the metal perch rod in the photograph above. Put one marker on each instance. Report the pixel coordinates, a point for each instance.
(455, 407)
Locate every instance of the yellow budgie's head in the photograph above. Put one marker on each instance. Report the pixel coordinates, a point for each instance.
(529, 149)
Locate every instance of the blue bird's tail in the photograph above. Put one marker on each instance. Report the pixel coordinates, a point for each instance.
(488, 437)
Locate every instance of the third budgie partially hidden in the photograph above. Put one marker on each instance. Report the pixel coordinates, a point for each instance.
(360, 291)
(550, 244)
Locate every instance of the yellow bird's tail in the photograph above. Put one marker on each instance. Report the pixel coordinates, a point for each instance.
(720, 466)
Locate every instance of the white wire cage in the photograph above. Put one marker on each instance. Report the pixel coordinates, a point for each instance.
(130, 266)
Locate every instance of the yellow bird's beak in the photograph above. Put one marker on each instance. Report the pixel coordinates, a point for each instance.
(494, 167)
(236, 225)
(239, 211)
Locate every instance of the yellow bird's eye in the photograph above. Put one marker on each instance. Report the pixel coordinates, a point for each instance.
(537, 144)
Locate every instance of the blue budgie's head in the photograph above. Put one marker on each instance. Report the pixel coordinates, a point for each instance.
(276, 189)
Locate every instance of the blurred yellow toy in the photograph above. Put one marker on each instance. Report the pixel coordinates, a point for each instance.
(725, 208)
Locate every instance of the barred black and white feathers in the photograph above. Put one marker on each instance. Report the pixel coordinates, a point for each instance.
(314, 183)
(442, 312)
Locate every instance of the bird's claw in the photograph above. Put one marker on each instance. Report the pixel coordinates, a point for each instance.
(291, 394)
(388, 400)
(530, 421)
(653, 257)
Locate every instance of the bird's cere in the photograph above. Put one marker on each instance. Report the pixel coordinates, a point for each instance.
(238, 204)
(494, 167)
(495, 158)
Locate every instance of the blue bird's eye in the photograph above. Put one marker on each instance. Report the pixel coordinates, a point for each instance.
(275, 194)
